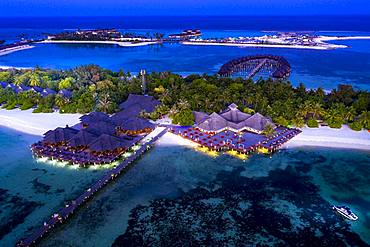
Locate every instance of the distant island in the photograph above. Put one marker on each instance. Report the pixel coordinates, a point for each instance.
(186, 37)
(281, 40)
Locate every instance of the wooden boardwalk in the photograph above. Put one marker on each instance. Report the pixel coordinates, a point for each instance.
(68, 210)
(256, 69)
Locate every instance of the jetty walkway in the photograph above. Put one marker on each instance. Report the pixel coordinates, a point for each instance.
(257, 68)
(68, 210)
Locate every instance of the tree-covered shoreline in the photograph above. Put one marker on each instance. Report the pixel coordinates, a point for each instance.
(96, 89)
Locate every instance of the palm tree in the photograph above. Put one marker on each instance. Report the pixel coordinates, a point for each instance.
(269, 130)
(104, 103)
(61, 101)
(298, 122)
(364, 119)
(183, 104)
(34, 79)
(350, 114)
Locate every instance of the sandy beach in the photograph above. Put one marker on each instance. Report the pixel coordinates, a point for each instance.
(119, 43)
(35, 123)
(328, 38)
(326, 47)
(39, 123)
(328, 137)
(14, 49)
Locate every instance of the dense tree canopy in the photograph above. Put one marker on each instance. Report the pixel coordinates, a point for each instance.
(95, 88)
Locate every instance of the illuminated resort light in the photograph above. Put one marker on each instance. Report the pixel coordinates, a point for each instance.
(263, 150)
(136, 147)
(237, 155)
(205, 150)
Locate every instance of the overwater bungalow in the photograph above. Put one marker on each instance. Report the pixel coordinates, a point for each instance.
(236, 131)
(102, 127)
(102, 139)
(109, 144)
(135, 126)
(82, 139)
(232, 119)
(59, 135)
(94, 117)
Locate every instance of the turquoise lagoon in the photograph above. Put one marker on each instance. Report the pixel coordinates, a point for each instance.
(176, 189)
(302, 182)
(31, 191)
(314, 68)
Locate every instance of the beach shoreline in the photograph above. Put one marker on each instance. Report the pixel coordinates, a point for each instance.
(327, 47)
(14, 49)
(119, 43)
(35, 123)
(332, 138)
(39, 123)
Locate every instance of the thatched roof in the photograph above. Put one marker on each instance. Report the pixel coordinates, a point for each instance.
(94, 117)
(213, 123)
(82, 138)
(134, 124)
(107, 143)
(65, 93)
(199, 116)
(102, 127)
(234, 119)
(143, 102)
(233, 114)
(258, 122)
(59, 135)
(3, 84)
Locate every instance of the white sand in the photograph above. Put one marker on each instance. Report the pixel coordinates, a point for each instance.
(36, 123)
(328, 137)
(319, 47)
(170, 139)
(328, 38)
(120, 43)
(14, 49)
(153, 134)
(12, 67)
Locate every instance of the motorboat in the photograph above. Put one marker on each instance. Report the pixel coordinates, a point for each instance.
(345, 212)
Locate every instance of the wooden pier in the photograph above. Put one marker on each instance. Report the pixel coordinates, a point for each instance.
(67, 211)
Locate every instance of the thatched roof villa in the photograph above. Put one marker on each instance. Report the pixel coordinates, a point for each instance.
(232, 119)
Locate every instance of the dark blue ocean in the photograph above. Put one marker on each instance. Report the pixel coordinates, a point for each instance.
(315, 68)
(174, 191)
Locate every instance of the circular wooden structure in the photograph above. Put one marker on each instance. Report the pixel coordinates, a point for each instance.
(274, 66)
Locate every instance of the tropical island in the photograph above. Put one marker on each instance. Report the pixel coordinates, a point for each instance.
(104, 36)
(186, 37)
(280, 40)
(125, 115)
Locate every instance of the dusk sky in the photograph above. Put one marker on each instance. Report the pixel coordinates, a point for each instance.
(177, 7)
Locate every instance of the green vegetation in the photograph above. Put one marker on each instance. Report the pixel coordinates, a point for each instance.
(95, 88)
(312, 123)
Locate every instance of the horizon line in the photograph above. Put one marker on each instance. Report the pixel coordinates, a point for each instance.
(195, 15)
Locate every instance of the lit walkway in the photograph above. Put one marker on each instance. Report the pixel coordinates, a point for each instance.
(68, 210)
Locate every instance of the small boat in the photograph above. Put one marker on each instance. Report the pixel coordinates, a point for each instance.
(345, 212)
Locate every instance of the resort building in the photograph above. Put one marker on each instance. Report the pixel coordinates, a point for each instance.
(137, 103)
(232, 119)
(99, 138)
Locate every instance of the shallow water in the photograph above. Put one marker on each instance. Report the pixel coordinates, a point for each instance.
(31, 191)
(185, 188)
(314, 68)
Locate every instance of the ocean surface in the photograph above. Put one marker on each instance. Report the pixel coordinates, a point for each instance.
(175, 192)
(314, 68)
